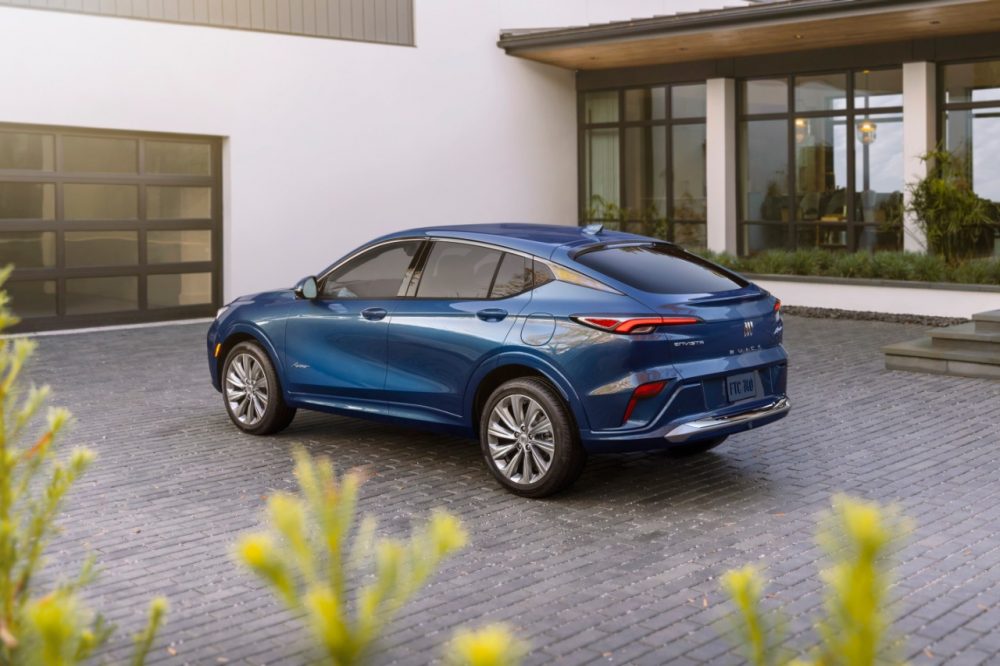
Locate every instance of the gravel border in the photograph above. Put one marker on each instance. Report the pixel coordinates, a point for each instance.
(832, 313)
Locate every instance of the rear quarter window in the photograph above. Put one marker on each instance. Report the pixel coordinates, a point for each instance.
(660, 269)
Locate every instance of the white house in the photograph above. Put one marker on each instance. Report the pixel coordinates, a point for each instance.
(159, 157)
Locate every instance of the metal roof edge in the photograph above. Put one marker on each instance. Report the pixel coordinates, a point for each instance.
(513, 41)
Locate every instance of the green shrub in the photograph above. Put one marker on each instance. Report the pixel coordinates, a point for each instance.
(957, 223)
(310, 549)
(55, 627)
(880, 265)
(930, 268)
(853, 265)
(858, 537)
(892, 266)
(978, 271)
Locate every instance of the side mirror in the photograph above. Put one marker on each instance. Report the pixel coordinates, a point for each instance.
(307, 288)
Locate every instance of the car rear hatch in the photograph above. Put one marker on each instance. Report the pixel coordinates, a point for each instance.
(735, 318)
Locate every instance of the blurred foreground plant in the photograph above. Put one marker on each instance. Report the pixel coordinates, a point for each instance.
(493, 645)
(53, 628)
(858, 536)
(306, 556)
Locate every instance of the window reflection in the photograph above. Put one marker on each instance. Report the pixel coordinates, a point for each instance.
(846, 156)
(645, 171)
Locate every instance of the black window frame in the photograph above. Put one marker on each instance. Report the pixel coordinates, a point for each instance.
(621, 125)
(851, 113)
(943, 107)
(142, 179)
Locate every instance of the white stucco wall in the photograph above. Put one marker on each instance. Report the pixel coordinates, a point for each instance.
(328, 143)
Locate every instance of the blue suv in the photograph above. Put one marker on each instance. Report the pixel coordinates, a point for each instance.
(544, 342)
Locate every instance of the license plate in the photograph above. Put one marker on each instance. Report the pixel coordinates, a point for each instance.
(743, 387)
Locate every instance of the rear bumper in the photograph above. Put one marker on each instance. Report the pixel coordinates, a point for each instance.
(692, 428)
(710, 426)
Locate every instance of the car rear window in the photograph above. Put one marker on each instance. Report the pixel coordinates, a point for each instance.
(660, 269)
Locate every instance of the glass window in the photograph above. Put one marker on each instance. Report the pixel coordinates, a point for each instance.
(458, 270)
(100, 154)
(822, 92)
(98, 295)
(765, 96)
(601, 166)
(27, 201)
(171, 291)
(764, 170)
(600, 107)
(175, 157)
(177, 246)
(512, 277)
(688, 101)
(100, 202)
(377, 273)
(688, 147)
(646, 104)
(878, 88)
(28, 249)
(821, 170)
(646, 173)
(660, 269)
(178, 203)
(101, 248)
(972, 82)
(973, 135)
(32, 298)
(878, 167)
(27, 151)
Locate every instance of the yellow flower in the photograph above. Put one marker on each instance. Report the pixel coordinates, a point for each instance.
(256, 550)
(493, 645)
(447, 532)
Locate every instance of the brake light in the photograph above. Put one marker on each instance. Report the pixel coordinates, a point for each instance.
(633, 325)
(777, 305)
(641, 393)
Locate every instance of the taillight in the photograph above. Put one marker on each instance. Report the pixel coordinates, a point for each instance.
(641, 393)
(777, 305)
(633, 325)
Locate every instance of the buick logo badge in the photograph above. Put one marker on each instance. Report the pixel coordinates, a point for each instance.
(747, 328)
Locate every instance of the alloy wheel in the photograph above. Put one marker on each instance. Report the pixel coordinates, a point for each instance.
(247, 389)
(521, 439)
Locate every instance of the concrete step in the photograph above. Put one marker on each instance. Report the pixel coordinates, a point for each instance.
(922, 356)
(965, 337)
(987, 322)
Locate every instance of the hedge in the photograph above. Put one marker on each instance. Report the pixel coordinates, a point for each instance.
(875, 266)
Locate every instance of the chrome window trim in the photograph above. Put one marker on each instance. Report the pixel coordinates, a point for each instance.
(551, 265)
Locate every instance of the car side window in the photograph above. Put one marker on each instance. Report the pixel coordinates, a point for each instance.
(458, 270)
(377, 273)
(512, 278)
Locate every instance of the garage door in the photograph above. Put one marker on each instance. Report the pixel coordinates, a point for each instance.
(109, 227)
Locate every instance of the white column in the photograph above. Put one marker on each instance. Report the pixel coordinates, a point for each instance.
(720, 164)
(919, 137)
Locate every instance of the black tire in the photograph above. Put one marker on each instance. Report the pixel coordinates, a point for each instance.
(275, 415)
(696, 448)
(567, 458)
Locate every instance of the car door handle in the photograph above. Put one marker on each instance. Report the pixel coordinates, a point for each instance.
(374, 314)
(492, 314)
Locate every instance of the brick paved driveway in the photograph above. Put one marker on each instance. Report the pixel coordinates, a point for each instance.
(622, 569)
